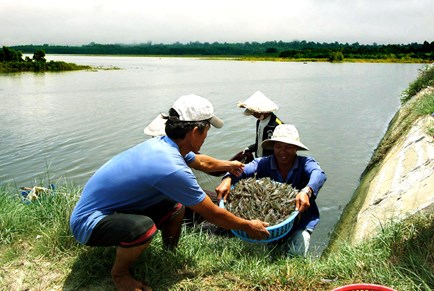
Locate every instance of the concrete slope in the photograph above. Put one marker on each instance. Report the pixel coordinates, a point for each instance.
(403, 185)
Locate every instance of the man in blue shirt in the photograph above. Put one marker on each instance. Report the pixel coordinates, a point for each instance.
(146, 187)
(286, 166)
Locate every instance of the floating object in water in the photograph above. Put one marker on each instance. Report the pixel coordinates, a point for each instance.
(32, 193)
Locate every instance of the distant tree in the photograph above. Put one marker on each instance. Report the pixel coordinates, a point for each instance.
(39, 56)
(336, 57)
(288, 53)
(271, 50)
(10, 55)
(427, 47)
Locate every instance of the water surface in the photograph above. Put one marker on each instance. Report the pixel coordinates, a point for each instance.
(66, 125)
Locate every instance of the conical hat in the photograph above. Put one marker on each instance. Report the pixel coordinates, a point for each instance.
(156, 127)
(286, 133)
(258, 102)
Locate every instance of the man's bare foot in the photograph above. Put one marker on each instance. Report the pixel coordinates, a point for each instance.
(126, 282)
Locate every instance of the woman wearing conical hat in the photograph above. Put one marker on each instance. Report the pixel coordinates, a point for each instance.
(262, 108)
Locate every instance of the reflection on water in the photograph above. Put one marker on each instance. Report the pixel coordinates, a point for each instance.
(66, 125)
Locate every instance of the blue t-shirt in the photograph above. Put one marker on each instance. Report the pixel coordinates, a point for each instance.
(136, 179)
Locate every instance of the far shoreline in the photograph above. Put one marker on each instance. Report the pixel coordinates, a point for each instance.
(263, 59)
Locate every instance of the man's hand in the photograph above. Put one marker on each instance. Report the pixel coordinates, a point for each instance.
(256, 229)
(223, 189)
(236, 168)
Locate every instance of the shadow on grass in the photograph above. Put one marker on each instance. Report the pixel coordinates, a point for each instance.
(156, 267)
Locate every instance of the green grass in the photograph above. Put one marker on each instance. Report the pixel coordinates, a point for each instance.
(424, 80)
(38, 252)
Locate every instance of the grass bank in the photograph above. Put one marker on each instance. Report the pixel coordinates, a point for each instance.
(416, 101)
(298, 60)
(345, 60)
(38, 252)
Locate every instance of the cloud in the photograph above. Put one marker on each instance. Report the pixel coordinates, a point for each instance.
(166, 21)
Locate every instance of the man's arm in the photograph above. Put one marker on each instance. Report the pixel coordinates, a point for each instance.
(225, 219)
(209, 164)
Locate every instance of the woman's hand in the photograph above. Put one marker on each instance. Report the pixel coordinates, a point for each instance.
(236, 168)
(302, 201)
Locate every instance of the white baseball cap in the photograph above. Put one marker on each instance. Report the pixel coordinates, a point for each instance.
(286, 133)
(259, 103)
(196, 108)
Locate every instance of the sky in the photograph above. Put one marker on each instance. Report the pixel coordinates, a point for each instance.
(80, 22)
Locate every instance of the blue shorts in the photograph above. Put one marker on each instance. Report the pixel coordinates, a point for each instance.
(130, 229)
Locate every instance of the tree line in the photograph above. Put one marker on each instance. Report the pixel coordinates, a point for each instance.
(273, 49)
(11, 60)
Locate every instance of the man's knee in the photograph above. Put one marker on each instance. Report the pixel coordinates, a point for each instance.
(176, 216)
(180, 211)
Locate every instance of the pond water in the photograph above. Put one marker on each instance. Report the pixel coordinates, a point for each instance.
(66, 125)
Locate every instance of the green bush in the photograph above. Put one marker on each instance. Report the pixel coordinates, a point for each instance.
(336, 57)
(425, 79)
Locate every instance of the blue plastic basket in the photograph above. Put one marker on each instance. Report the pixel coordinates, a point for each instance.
(276, 231)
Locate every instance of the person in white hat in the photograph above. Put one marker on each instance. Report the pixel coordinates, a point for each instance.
(286, 166)
(145, 188)
(262, 108)
(202, 162)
